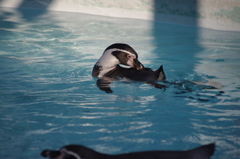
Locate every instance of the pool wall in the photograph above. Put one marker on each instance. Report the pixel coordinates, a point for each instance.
(214, 14)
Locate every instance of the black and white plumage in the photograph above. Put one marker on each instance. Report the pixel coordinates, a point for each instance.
(108, 68)
(114, 55)
(82, 152)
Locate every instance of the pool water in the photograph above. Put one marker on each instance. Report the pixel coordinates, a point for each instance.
(49, 99)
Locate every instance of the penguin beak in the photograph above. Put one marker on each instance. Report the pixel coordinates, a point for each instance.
(134, 63)
(137, 65)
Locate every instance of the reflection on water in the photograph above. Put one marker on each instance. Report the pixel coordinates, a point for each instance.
(49, 99)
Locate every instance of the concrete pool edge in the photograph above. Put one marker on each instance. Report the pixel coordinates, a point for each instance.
(212, 14)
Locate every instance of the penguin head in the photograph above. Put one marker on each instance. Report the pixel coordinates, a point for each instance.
(125, 55)
(63, 153)
(51, 154)
(116, 54)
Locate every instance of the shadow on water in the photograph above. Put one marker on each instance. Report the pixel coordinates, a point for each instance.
(38, 8)
(22, 13)
(180, 50)
(176, 44)
(35, 5)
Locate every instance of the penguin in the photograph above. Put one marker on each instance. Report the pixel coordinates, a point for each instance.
(82, 152)
(114, 55)
(108, 67)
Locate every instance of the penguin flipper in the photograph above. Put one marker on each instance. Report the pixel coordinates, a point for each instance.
(104, 84)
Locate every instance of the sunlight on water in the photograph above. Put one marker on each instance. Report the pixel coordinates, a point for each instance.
(49, 98)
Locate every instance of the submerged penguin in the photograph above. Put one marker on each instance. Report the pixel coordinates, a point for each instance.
(108, 68)
(82, 152)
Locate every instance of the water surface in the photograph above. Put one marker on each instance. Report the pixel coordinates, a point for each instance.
(48, 97)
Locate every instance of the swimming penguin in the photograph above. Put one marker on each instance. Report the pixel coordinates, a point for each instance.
(108, 68)
(82, 152)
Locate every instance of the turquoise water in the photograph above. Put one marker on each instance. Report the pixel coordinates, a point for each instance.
(48, 97)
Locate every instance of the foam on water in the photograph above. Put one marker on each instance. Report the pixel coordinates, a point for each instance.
(48, 97)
